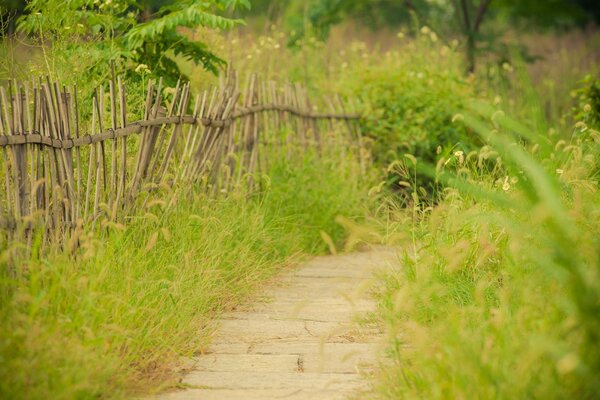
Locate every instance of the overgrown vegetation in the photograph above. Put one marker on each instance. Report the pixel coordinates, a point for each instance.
(123, 32)
(118, 316)
(497, 295)
(489, 191)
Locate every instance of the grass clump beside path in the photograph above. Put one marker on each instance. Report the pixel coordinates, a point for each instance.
(498, 296)
(117, 317)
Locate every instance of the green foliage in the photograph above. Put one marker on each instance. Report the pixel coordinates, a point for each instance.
(588, 110)
(499, 296)
(316, 17)
(409, 103)
(112, 31)
(114, 318)
(462, 18)
(336, 192)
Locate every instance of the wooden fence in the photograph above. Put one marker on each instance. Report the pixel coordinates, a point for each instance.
(66, 173)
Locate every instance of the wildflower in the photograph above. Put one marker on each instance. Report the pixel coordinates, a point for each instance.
(506, 184)
(425, 30)
(559, 171)
(400, 35)
(433, 37)
(587, 108)
(142, 69)
(507, 67)
(497, 100)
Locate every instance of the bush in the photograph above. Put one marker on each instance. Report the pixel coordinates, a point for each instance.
(408, 102)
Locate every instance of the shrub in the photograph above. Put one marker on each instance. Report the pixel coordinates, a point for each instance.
(409, 99)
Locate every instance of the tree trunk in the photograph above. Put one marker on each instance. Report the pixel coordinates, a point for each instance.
(471, 50)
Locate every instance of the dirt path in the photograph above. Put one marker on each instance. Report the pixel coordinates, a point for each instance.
(302, 342)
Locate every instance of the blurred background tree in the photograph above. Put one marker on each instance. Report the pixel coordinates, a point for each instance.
(142, 32)
(478, 23)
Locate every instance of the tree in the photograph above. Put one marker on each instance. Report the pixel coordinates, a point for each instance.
(129, 32)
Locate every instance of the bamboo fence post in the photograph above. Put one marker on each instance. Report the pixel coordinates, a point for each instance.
(227, 139)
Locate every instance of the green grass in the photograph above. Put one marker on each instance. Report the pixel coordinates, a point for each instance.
(497, 296)
(117, 317)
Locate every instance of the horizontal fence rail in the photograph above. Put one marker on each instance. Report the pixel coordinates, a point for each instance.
(66, 173)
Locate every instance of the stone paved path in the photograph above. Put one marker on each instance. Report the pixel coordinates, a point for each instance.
(302, 342)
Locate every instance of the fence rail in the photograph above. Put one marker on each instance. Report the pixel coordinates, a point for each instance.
(53, 172)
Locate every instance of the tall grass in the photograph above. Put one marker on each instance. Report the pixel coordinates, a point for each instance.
(116, 318)
(498, 293)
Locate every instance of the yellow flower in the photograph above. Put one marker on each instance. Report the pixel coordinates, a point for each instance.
(142, 69)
